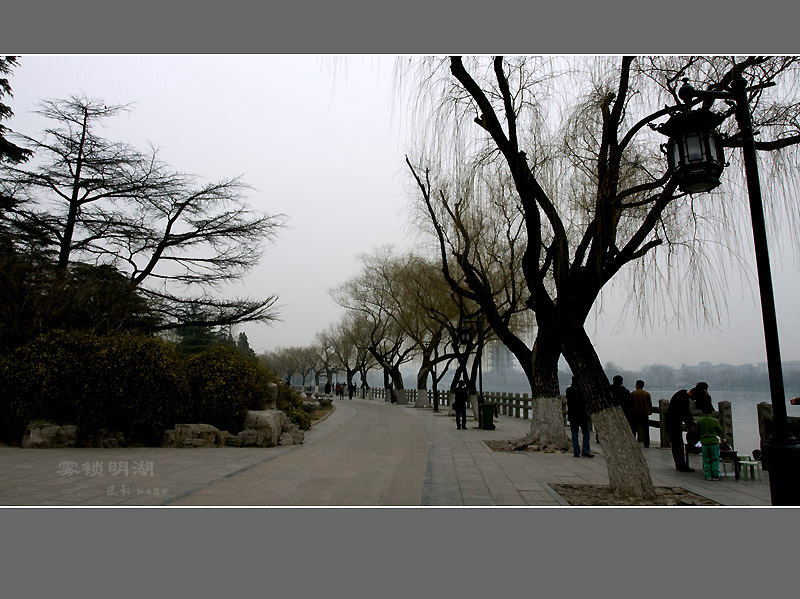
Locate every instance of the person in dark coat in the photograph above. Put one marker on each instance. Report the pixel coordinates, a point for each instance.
(702, 398)
(624, 400)
(642, 407)
(679, 412)
(578, 417)
(460, 405)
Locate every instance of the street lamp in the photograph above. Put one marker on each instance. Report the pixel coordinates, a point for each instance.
(694, 153)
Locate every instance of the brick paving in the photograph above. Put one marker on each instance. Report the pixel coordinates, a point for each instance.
(366, 453)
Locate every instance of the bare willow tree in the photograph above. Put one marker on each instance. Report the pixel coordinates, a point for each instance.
(347, 343)
(481, 240)
(94, 201)
(371, 296)
(575, 137)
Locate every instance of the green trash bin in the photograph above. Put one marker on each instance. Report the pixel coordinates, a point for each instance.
(487, 413)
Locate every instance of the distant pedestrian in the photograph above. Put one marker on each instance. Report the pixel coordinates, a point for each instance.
(460, 405)
(328, 388)
(641, 408)
(623, 399)
(351, 389)
(709, 430)
(679, 412)
(578, 417)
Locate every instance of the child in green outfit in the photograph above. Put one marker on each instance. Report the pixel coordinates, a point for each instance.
(709, 430)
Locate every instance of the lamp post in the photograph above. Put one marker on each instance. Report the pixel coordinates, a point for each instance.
(695, 158)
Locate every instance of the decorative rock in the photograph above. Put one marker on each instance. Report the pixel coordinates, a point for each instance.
(291, 428)
(169, 438)
(286, 439)
(198, 435)
(253, 438)
(272, 396)
(43, 434)
(269, 422)
(105, 439)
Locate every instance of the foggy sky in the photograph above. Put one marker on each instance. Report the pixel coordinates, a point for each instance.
(323, 140)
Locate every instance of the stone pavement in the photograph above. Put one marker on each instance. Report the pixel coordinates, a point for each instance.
(366, 453)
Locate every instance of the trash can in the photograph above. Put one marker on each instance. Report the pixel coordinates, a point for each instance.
(486, 413)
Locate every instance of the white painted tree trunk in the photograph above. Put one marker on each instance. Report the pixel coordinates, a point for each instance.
(628, 472)
(422, 399)
(473, 400)
(547, 423)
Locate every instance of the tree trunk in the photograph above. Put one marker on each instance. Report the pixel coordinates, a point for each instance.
(422, 376)
(547, 417)
(628, 473)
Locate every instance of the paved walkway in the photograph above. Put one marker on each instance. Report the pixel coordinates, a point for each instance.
(366, 453)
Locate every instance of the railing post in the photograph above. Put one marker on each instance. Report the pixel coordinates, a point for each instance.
(726, 420)
(526, 404)
(663, 404)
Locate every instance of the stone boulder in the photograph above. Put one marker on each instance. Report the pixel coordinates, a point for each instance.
(44, 434)
(272, 396)
(198, 435)
(105, 439)
(247, 438)
(269, 422)
(285, 439)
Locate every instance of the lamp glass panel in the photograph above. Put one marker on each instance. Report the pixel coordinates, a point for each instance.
(694, 148)
(715, 150)
(676, 154)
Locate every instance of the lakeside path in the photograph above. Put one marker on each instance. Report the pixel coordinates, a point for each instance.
(365, 453)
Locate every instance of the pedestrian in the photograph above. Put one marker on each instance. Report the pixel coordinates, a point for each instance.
(460, 405)
(578, 417)
(701, 397)
(679, 412)
(351, 389)
(623, 399)
(709, 430)
(328, 388)
(641, 408)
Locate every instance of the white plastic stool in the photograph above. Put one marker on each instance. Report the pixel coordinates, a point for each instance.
(754, 465)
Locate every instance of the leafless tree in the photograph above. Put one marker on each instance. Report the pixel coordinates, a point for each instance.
(177, 240)
(574, 137)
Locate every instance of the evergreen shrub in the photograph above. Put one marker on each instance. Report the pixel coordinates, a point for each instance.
(49, 378)
(143, 386)
(224, 384)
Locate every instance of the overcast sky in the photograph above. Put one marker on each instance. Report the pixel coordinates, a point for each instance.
(323, 140)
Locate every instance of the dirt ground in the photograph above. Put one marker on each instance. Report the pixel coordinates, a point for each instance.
(600, 495)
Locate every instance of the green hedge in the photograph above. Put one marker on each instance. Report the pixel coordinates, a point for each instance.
(129, 383)
(135, 384)
(48, 378)
(223, 386)
(142, 387)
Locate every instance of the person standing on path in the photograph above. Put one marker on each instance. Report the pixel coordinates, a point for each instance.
(679, 412)
(460, 405)
(701, 397)
(710, 431)
(641, 408)
(578, 419)
(623, 398)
